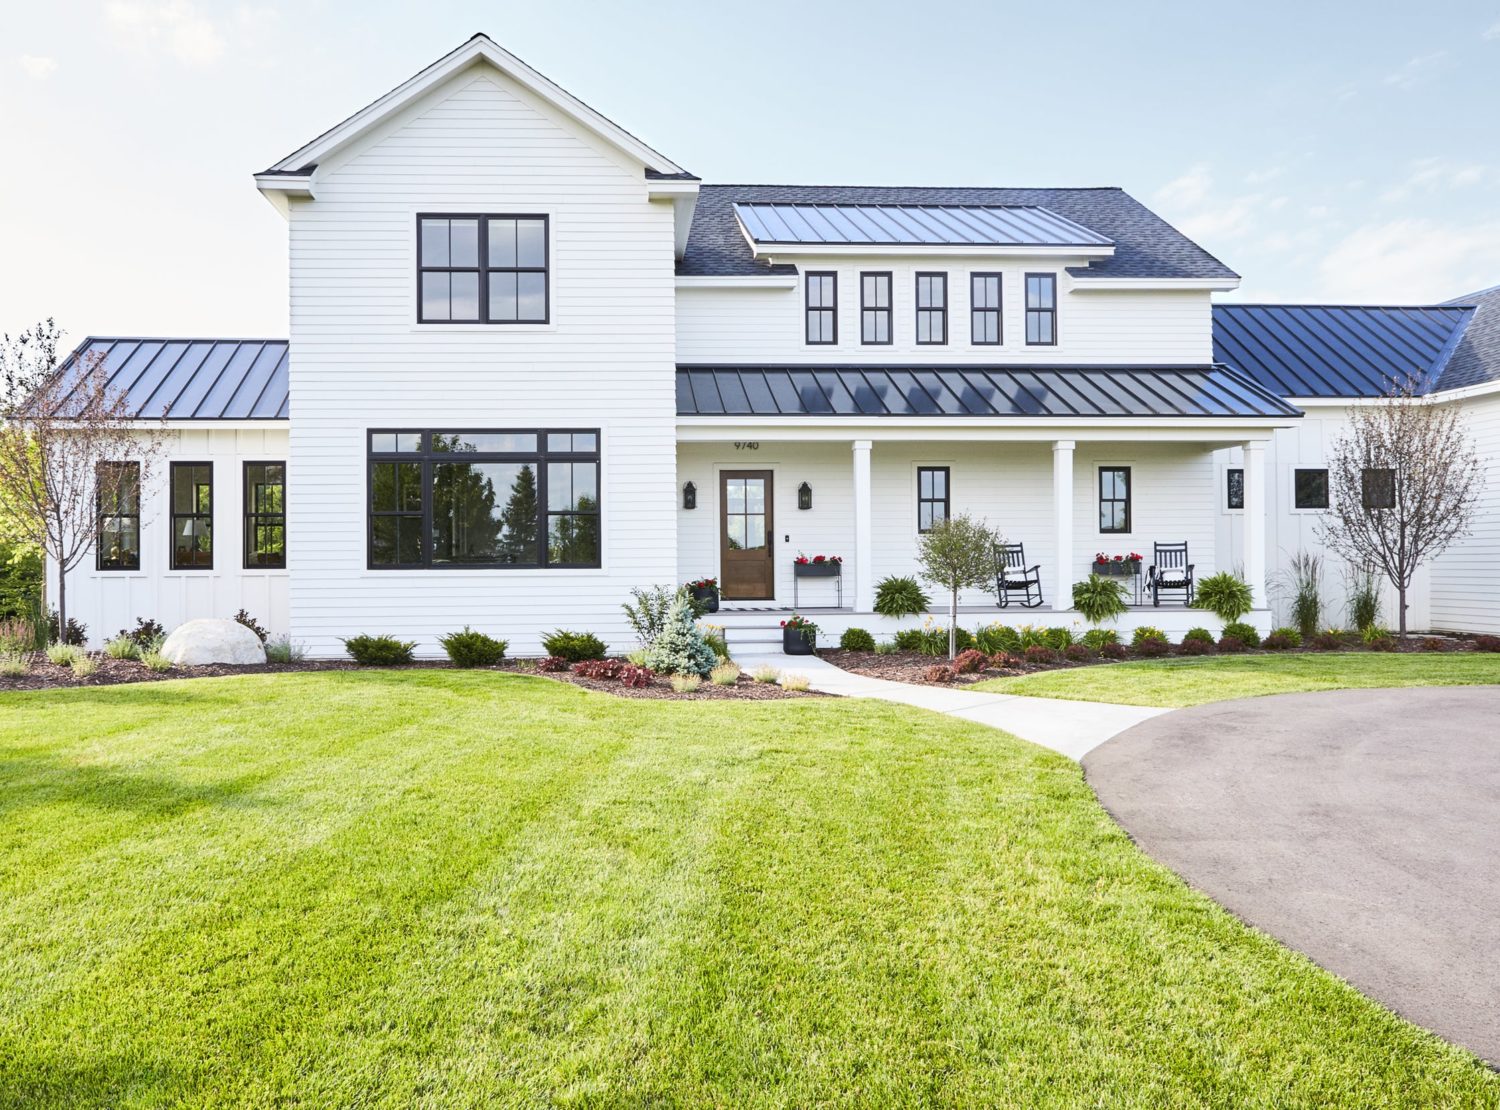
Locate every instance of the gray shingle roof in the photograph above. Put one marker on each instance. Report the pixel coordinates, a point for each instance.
(1476, 357)
(951, 391)
(1146, 246)
(192, 379)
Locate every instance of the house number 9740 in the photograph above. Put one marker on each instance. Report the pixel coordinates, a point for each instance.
(747, 445)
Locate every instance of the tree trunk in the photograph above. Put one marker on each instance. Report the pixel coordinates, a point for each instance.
(1401, 608)
(62, 604)
(953, 627)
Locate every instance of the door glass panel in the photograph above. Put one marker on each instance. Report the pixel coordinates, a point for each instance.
(735, 494)
(736, 524)
(755, 531)
(755, 496)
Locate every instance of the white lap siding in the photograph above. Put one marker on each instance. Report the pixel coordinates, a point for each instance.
(110, 600)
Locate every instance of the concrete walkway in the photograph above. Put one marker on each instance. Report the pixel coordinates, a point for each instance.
(1073, 728)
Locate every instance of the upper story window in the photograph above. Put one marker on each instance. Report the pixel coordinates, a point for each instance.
(1114, 499)
(932, 308)
(1041, 310)
(822, 308)
(117, 545)
(875, 308)
(984, 310)
(265, 515)
(482, 270)
(192, 496)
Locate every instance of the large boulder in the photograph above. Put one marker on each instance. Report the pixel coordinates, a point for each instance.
(201, 642)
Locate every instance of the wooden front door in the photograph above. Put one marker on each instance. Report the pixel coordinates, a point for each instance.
(746, 538)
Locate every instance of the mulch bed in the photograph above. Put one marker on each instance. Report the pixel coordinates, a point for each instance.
(44, 675)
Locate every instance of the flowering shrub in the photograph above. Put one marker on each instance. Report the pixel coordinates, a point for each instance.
(703, 584)
(940, 673)
(1040, 653)
(1078, 653)
(553, 663)
(1096, 638)
(1133, 557)
(1147, 632)
(970, 662)
(1112, 650)
(803, 560)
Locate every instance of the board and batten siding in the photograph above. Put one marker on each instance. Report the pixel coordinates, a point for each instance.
(109, 601)
(747, 325)
(478, 144)
(1465, 586)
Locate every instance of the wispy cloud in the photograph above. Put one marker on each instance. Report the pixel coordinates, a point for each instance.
(1418, 70)
(1429, 175)
(1411, 260)
(181, 30)
(1491, 32)
(37, 66)
(1189, 189)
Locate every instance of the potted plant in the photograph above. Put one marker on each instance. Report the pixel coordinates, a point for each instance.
(705, 594)
(818, 566)
(799, 636)
(1117, 566)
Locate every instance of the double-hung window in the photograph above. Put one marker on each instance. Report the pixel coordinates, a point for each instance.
(482, 269)
(1114, 499)
(117, 544)
(932, 496)
(932, 308)
(192, 496)
(875, 308)
(265, 515)
(822, 308)
(1041, 310)
(984, 310)
(512, 498)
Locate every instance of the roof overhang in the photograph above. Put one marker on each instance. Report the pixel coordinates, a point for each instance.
(863, 250)
(1217, 430)
(737, 281)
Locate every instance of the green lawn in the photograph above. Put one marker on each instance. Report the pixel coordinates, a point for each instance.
(1179, 682)
(437, 888)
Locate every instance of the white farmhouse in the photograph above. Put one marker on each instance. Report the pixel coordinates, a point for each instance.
(534, 363)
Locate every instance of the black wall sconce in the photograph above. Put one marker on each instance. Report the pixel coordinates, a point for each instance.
(804, 496)
(690, 496)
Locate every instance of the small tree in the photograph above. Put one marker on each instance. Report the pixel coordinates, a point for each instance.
(958, 554)
(1404, 480)
(679, 648)
(56, 431)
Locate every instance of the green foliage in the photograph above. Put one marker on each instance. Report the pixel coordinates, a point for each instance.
(84, 666)
(1146, 632)
(646, 611)
(1244, 633)
(243, 617)
(636, 658)
(77, 634)
(889, 647)
(1282, 639)
(1097, 638)
(575, 647)
(685, 683)
(468, 648)
(765, 673)
(122, 647)
(282, 649)
(13, 665)
(1369, 634)
(856, 639)
(933, 639)
(996, 639)
(1099, 599)
(900, 596)
(20, 579)
(62, 655)
(379, 651)
(146, 633)
(1225, 595)
(1057, 638)
(1364, 600)
(19, 636)
(1198, 635)
(725, 674)
(1306, 572)
(680, 648)
(908, 639)
(957, 554)
(156, 662)
(714, 637)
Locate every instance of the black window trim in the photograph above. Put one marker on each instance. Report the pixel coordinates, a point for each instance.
(1323, 470)
(251, 518)
(425, 457)
(945, 500)
(174, 516)
(1128, 499)
(942, 312)
(998, 311)
(485, 269)
(100, 514)
(1229, 505)
(889, 310)
(1051, 312)
(808, 309)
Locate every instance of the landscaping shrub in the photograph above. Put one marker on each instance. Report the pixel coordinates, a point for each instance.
(1038, 654)
(1096, 638)
(283, 650)
(553, 664)
(856, 639)
(1197, 636)
(578, 646)
(145, 634)
(797, 682)
(122, 647)
(1306, 573)
(995, 638)
(909, 639)
(77, 635)
(1364, 600)
(636, 677)
(685, 683)
(1231, 645)
(646, 612)
(1244, 633)
(886, 647)
(680, 649)
(1151, 647)
(13, 665)
(1432, 643)
(62, 655)
(1282, 639)
(971, 661)
(1373, 632)
(1225, 595)
(1146, 632)
(932, 639)
(156, 662)
(940, 673)
(1079, 653)
(606, 670)
(1196, 647)
(725, 674)
(379, 651)
(1328, 640)
(1057, 639)
(18, 636)
(1099, 599)
(765, 673)
(84, 666)
(899, 596)
(718, 643)
(243, 617)
(1487, 643)
(1007, 661)
(1112, 650)
(468, 648)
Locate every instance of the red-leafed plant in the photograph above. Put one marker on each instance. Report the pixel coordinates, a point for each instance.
(553, 663)
(970, 662)
(637, 677)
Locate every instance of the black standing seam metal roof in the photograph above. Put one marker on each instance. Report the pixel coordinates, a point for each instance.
(1476, 356)
(1084, 392)
(191, 379)
(1337, 350)
(1146, 246)
(914, 225)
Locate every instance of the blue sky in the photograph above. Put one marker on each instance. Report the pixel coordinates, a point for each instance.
(1327, 152)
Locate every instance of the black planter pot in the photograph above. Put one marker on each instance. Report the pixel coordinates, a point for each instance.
(817, 570)
(795, 641)
(1113, 569)
(708, 597)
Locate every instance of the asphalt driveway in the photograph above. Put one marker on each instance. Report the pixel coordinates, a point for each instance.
(1361, 827)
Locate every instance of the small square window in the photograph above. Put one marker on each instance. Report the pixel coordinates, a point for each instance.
(1378, 488)
(1310, 489)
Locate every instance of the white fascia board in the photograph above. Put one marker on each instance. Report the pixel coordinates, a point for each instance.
(1214, 285)
(279, 188)
(683, 196)
(861, 250)
(737, 281)
(478, 48)
(713, 429)
(213, 424)
(1441, 397)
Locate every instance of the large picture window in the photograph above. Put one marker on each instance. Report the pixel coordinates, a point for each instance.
(265, 515)
(875, 308)
(984, 310)
(1114, 499)
(117, 545)
(482, 269)
(822, 308)
(932, 308)
(192, 515)
(1041, 310)
(524, 498)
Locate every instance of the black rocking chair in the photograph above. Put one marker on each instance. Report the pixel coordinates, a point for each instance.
(1170, 572)
(1013, 576)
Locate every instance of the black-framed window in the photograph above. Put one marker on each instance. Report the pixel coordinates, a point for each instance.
(265, 515)
(932, 308)
(1310, 489)
(1114, 499)
(822, 307)
(932, 496)
(984, 310)
(1041, 310)
(192, 493)
(1234, 487)
(482, 269)
(1378, 487)
(117, 543)
(875, 308)
(484, 498)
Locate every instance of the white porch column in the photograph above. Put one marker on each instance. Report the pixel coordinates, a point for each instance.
(864, 544)
(1062, 523)
(1255, 520)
